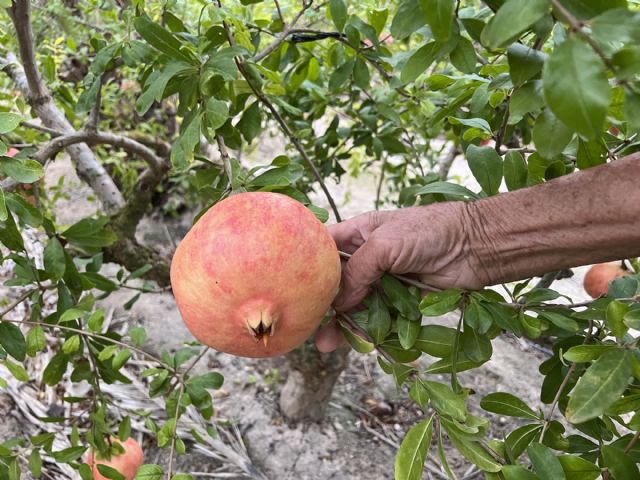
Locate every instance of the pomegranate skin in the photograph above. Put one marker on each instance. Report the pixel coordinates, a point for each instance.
(255, 260)
(126, 464)
(596, 281)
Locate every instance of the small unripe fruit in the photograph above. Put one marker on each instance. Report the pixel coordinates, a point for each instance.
(596, 281)
(255, 275)
(127, 463)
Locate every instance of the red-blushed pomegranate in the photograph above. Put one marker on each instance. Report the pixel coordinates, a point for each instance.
(127, 463)
(596, 281)
(255, 275)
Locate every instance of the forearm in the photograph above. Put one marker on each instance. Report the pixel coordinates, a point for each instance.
(586, 217)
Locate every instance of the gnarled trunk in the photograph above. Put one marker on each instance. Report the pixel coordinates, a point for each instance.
(312, 376)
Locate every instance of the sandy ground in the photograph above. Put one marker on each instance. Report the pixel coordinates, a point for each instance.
(367, 414)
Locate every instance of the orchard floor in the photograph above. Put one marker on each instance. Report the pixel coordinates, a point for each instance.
(367, 416)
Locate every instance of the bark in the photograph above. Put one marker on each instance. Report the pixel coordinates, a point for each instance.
(312, 376)
(28, 80)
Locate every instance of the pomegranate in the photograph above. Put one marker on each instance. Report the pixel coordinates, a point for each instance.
(127, 463)
(596, 281)
(255, 275)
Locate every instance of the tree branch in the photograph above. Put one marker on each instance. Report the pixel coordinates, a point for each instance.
(286, 31)
(283, 124)
(28, 80)
(226, 160)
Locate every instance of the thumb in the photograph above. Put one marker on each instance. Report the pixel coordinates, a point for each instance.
(365, 267)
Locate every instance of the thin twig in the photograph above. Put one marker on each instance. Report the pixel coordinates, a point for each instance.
(17, 302)
(42, 128)
(632, 442)
(380, 180)
(98, 336)
(284, 34)
(280, 16)
(576, 26)
(226, 160)
(174, 434)
(505, 123)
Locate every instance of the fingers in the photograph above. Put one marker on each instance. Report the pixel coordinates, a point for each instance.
(329, 337)
(351, 234)
(365, 267)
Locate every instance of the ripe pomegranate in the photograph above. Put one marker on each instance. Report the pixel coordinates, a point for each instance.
(255, 275)
(127, 463)
(596, 281)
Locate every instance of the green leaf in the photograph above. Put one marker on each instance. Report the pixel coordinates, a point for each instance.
(408, 331)
(379, 321)
(55, 369)
(545, 463)
(150, 472)
(413, 451)
(516, 472)
(3, 206)
(525, 99)
(35, 340)
(216, 113)
(182, 152)
(486, 166)
(476, 346)
(90, 233)
(338, 11)
(27, 212)
(35, 462)
(471, 450)
(560, 321)
(619, 463)
(23, 171)
(401, 297)
(445, 401)
(591, 153)
(162, 39)
(407, 20)
(452, 191)
(435, 304)
(54, 259)
(614, 318)
(211, 380)
(577, 468)
(599, 387)
(463, 56)
(515, 170)
(71, 345)
(340, 75)
(513, 18)
(157, 83)
(361, 74)
(586, 353)
(12, 340)
(586, 9)
(550, 135)
(436, 340)
(479, 123)
(439, 15)
(71, 314)
(506, 404)
(576, 88)
(524, 63)
(419, 62)
(358, 343)
(9, 122)
(518, 440)
(17, 370)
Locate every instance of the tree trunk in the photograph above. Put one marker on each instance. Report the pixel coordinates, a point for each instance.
(312, 376)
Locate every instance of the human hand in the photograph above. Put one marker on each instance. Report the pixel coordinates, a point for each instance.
(429, 243)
